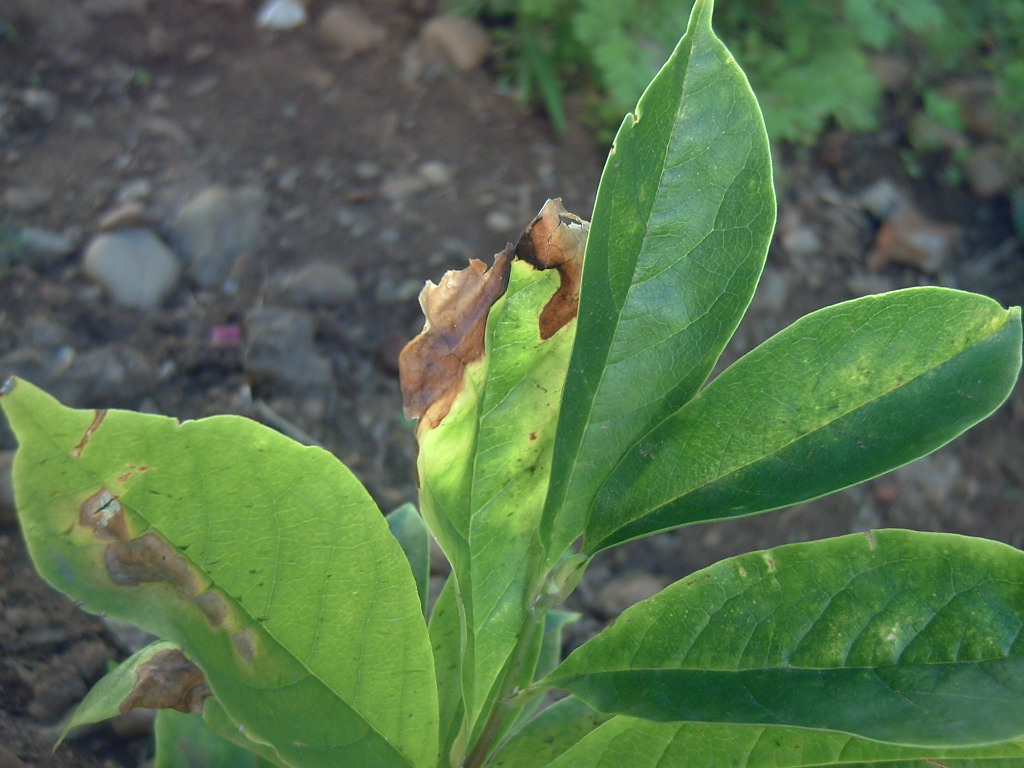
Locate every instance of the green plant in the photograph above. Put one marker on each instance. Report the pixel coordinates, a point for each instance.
(559, 416)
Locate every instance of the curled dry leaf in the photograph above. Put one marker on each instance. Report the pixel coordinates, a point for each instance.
(432, 366)
(169, 680)
(556, 239)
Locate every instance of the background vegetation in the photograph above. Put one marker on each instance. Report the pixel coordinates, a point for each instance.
(812, 64)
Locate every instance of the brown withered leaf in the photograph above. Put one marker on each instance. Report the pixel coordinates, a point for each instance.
(432, 365)
(556, 239)
(169, 680)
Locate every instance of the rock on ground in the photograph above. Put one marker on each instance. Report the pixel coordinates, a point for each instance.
(461, 43)
(321, 282)
(348, 29)
(135, 267)
(217, 226)
(281, 352)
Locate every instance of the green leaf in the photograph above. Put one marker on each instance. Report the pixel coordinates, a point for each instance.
(551, 645)
(157, 675)
(221, 724)
(551, 733)
(186, 741)
(266, 561)
(446, 640)
(644, 744)
(912, 638)
(483, 474)
(841, 396)
(408, 528)
(681, 227)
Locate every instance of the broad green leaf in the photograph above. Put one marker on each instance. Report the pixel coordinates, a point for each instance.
(681, 227)
(186, 741)
(912, 638)
(155, 676)
(551, 733)
(411, 532)
(638, 743)
(842, 395)
(446, 640)
(266, 561)
(484, 470)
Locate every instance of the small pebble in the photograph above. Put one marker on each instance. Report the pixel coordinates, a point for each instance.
(347, 27)
(281, 15)
(45, 245)
(461, 43)
(499, 222)
(135, 267)
(435, 173)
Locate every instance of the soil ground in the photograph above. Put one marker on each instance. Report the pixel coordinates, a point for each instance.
(183, 94)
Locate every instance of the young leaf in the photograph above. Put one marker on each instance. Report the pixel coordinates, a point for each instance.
(156, 677)
(266, 561)
(681, 227)
(487, 398)
(186, 741)
(911, 638)
(446, 642)
(842, 395)
(644, 744)
(411, 532)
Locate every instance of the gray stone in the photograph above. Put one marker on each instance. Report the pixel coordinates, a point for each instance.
(367, 170)
(137, 191)
(461, 43)
(216, 227)
(349, 29)
(281, 353)
(397, 189)
(45, 245)
(435, 173)
(27, 199)
(135, 267)
(321, 283)
(125, 216)
(282, 14)
(882, 199)
(44, 103)
(499, 222)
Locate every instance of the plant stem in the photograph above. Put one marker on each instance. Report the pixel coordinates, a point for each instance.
(501, 708)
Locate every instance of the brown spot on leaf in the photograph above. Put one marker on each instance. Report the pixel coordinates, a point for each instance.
(150, 559)
(168, 680)
(213, 606)
(556, 239)
(97, 419)
(244, 643)
(104, 514)
(432, 365)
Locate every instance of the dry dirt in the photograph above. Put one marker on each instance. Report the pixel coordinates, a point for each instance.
(184, 94)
